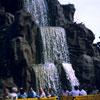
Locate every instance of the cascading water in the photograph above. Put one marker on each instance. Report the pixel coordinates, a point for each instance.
(47, 77)
(54, 44)
(54, 49)
(70, 74)
(39, 9)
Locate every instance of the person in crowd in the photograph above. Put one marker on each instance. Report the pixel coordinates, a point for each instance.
(22, 94)
(6, 93)
(82, 91)
(95, 90)
(42, 93)
(47, 93)
(65, 92)
(32, 93)
(75, 92)
(13, 94)
(52, 92)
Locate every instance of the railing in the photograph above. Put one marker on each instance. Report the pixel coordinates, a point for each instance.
(87, 97)
(50, 98)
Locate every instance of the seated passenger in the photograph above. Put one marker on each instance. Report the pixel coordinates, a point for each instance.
(52, 93)
(75, 92)
(65, 92)
(42, 93)
(47, 93)
(22, 94)
(32, 93)
(6, 95)
(82, 91)
(13, 95)
(95, 90)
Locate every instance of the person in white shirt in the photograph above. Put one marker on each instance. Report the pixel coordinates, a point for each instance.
(42, 93)
(75, 92)
(82, 91)
(13, 95)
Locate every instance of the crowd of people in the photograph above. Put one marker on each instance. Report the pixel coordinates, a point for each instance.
(15, 94)
(75, 92)
(21, 94)
(78, 91)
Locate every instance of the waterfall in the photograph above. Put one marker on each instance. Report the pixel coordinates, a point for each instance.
(70, 75)
(54, 44)
(54, 48)
(39, 9)
(46, 76)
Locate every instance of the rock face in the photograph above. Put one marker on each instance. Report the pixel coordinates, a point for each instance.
(20, 45)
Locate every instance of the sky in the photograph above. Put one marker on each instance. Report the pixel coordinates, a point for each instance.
(87, 12)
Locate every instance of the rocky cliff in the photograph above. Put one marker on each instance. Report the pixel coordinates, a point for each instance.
(20, 46)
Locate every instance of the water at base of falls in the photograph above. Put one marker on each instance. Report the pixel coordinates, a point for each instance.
(46, 77)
